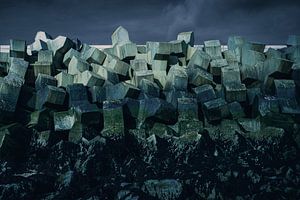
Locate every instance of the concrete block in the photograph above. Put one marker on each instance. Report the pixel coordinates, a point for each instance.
(77, 94)
(178, 47)
(177, 78)
(216, 66)
(230, 74)
(43, 36)
(187, 108)
(87, 113)
(89, 78)
(120, 35)
(43, 80)
(204, 93)
(251, 58)
(51, 95)
(231, 57)
(121, 91)
(77, 65)
(159, 65)
(118, 66)
(199, 77)
(160, 78)
(188, 37)
(285, 88)
(149, 87)
(9, 94)
(235, 92)
(18, 48)
(213, 49)
(200, 59)
(64, 120)
(94, 55)
(106, 73)
(64, 79)
(139, 75)
(215, 109)
(125, 50)
(68, 56)
(18, 67)
(37, 46)
(113, 119)
(235, 110)
(254, 46)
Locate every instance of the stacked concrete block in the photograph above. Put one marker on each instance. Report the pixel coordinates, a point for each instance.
(113, 119)
(44, 63)
(164, 87)
(51, 95)
(197, 77)
(18, 48)
(145, 74)
(59, 46)
(77, 65)
(235, 92)
(235, 43)
(149, 87)
(231, 57)
(199, 59)
(64, 79)
(187, 37)
(158, 51)
(64, 120)
(120, 35)
(215, 109)
(10, 85)
(89, 78)
(121, 91)
(43, 80)
(107, 73)
(94, 55)
(68, 56)
(4, 62)
(177, 78)
(213, 49)
(118, 66)
(187, 108)
(204, 93)
(216, 66)
(159, 65)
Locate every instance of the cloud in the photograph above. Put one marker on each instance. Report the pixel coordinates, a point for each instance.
(93, 21)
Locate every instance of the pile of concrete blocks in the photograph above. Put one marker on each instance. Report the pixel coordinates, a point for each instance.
(68, 87)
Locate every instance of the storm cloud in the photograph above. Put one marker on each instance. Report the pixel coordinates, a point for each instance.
(93, 21)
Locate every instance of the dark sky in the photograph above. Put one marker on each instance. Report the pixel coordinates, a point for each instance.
(93, 21)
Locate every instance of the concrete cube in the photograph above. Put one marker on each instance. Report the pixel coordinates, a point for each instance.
(188, 37)
(18, 48)
(216, 66)
(215, 109)
(64, 79)
(213, 49)
(94, 55)
(113, 119)
(200, 59)
(77, 65)
(235, 92)
(204, 93)
(120, 35)
(89, 78)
